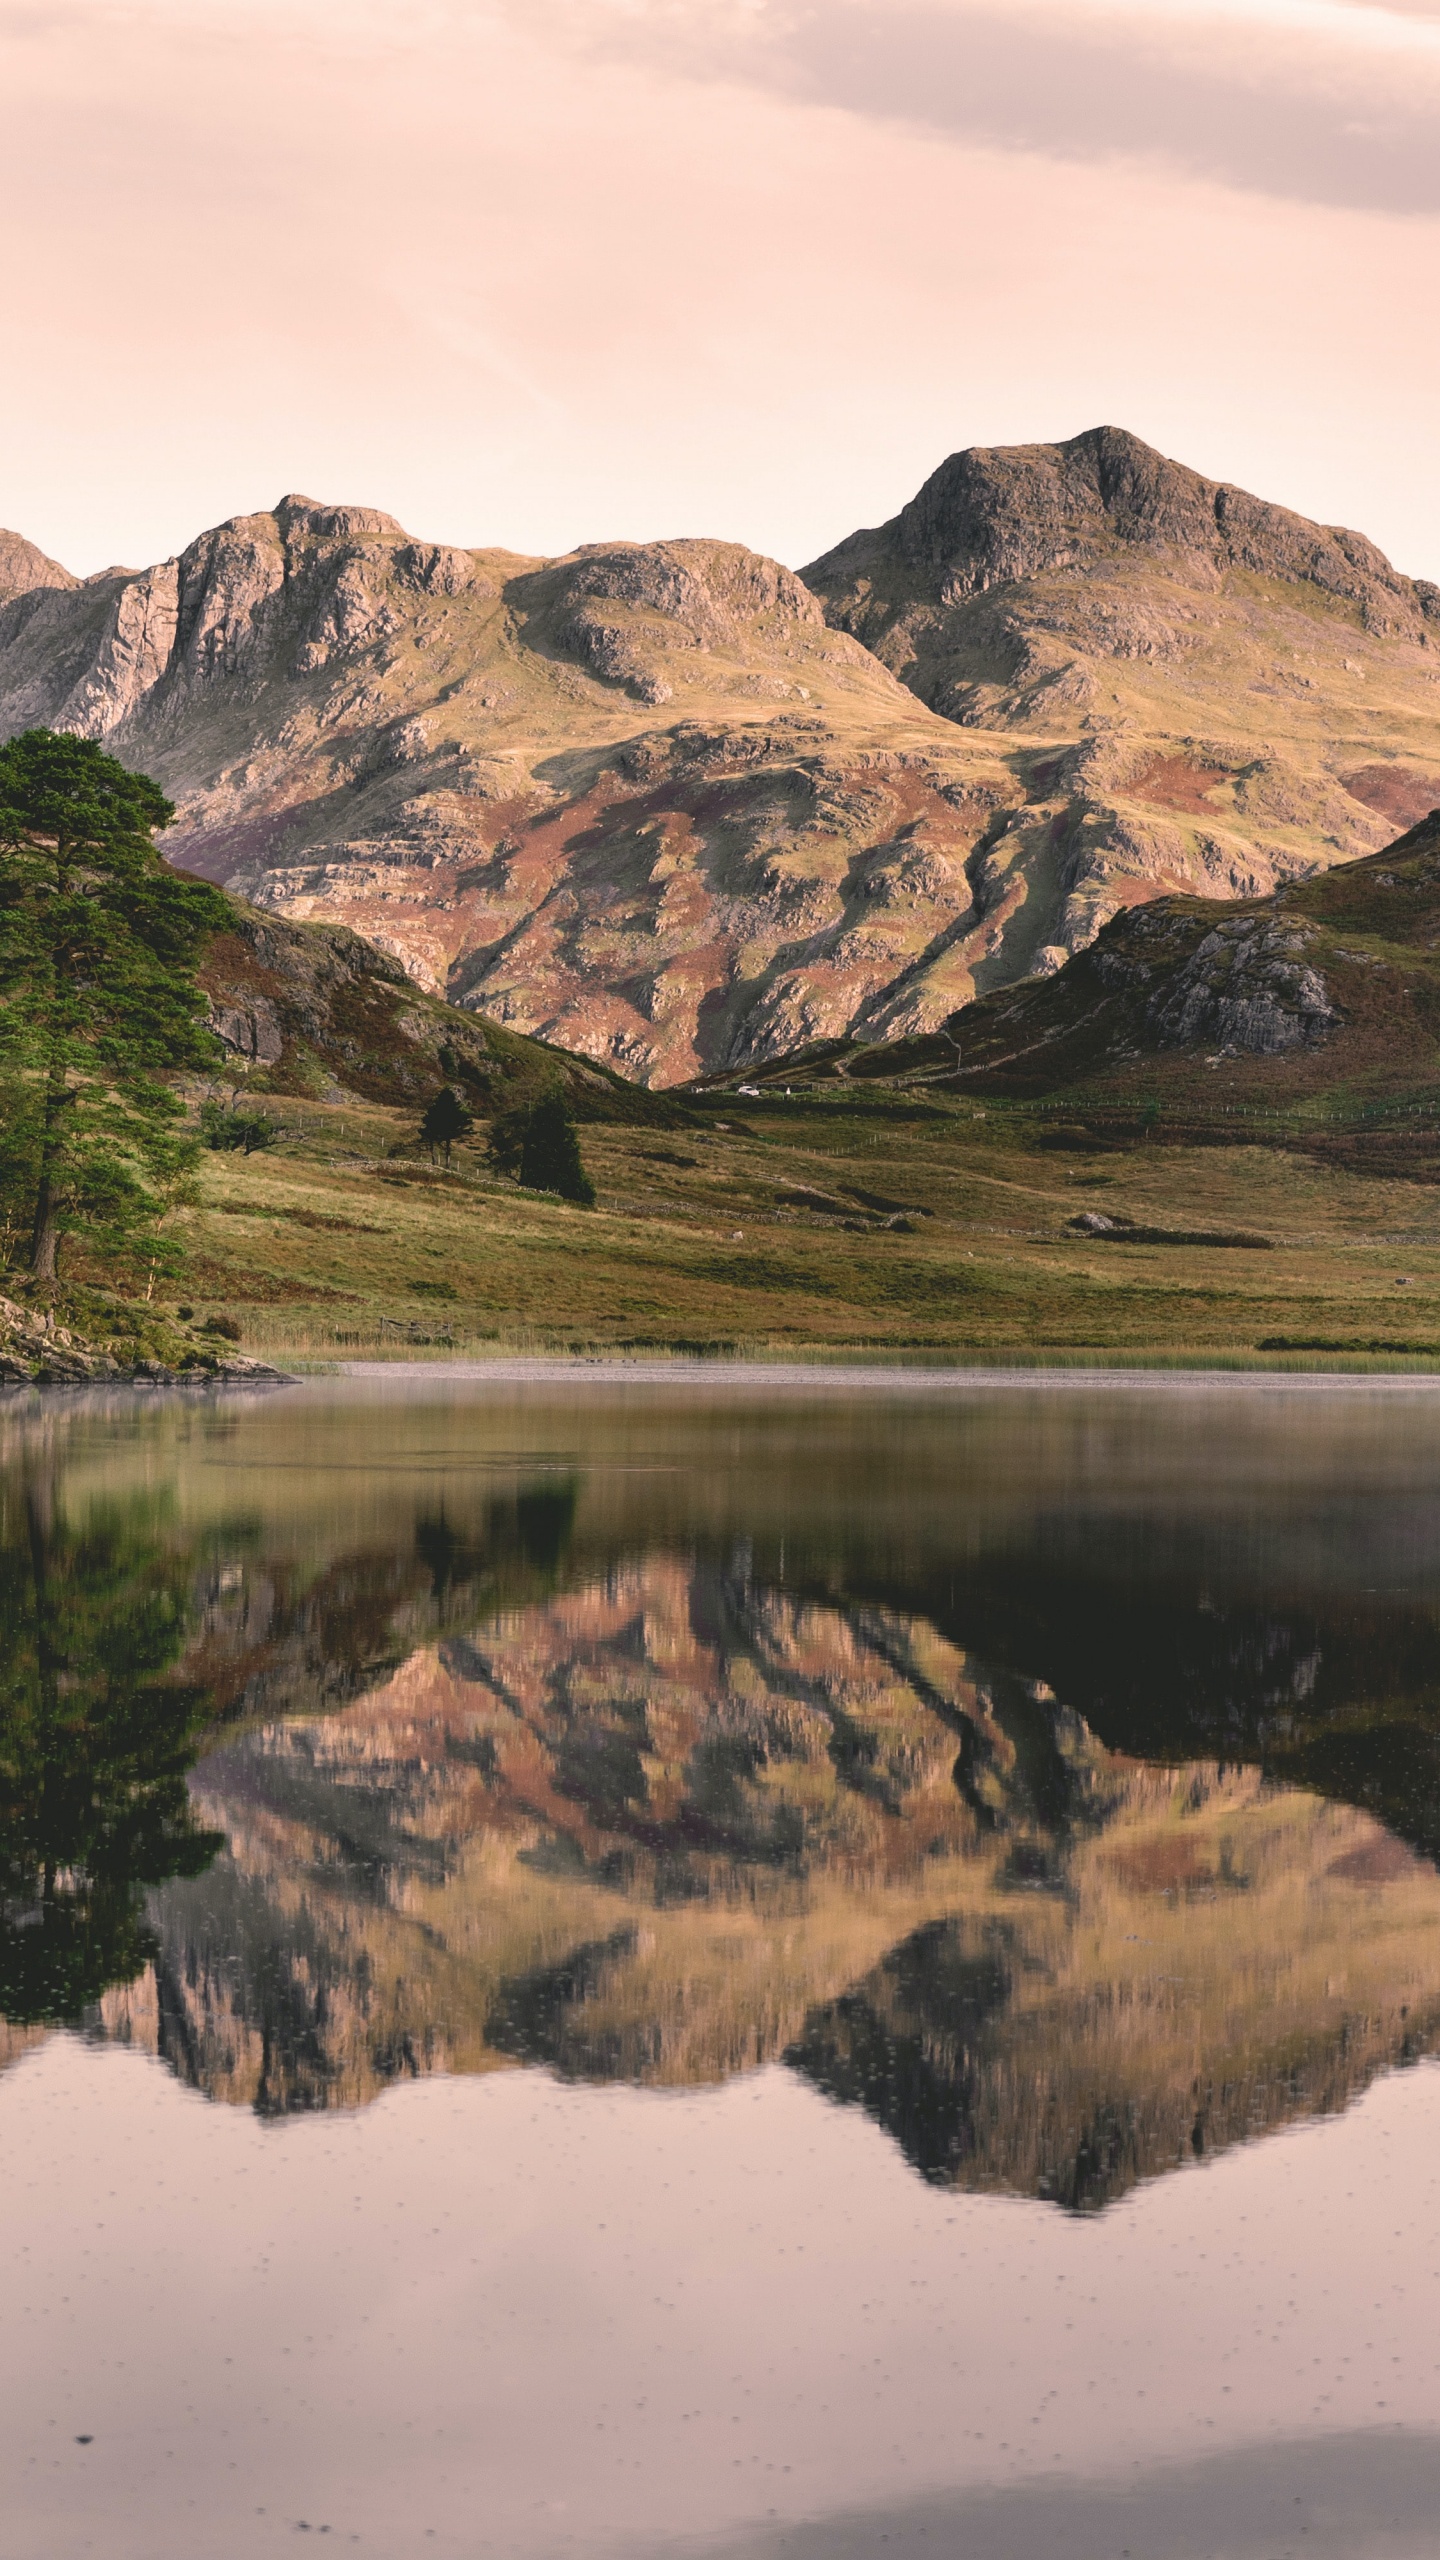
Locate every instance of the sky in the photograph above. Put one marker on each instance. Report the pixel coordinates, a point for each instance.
(542, 272)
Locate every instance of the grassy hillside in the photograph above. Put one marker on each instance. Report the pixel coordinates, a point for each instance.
(842, 1217)
(1062, 1172)
(1085, 1165)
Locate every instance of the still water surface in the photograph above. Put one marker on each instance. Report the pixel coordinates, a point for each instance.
(723, 1964)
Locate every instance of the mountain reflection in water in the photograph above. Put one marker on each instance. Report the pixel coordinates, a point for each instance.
(1069, 1852)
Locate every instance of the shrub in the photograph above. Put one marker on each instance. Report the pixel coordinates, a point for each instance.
(230, 1131)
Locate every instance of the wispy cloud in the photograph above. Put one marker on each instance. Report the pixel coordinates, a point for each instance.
(539, 271)
(1331, 102)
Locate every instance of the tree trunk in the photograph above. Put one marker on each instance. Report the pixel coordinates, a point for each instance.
(46, 1237)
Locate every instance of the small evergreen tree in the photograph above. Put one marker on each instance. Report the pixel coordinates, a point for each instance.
(446, 1120)
(550, 1153)
(98, 943)
(506, 1143)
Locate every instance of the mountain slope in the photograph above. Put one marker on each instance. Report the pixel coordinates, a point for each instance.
(1246, 696)
(314, 1008)
(1328, 991)
(663, 804)
(641, 801)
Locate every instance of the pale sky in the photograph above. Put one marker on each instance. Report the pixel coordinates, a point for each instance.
(540, 272)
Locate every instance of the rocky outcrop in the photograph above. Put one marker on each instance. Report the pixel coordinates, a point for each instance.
(25, 570)
(38, 1351)
(625, 609)
(1334, 982)
(315, 1008)
(1249, 986)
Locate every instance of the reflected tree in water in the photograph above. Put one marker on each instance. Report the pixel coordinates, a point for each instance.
(96, 1738)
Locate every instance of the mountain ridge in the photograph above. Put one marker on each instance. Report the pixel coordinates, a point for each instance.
(442, 749)
(678, 809)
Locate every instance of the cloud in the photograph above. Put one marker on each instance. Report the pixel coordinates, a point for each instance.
(1323, 102)
(536, 272)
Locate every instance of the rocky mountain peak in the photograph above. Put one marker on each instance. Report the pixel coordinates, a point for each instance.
(24, 568)
(295, 515)
(1000, 515)
(710, 586)
(669, 805)
(624, 608)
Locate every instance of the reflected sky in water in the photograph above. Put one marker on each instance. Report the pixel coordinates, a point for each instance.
(935, 1871)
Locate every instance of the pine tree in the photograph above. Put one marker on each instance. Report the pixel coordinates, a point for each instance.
(506, 1143)
(446, 1120)
(98, 942)
(550, 1153)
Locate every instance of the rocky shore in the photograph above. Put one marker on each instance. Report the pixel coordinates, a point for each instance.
(36, 1350)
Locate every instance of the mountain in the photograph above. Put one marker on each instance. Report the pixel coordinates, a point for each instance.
(669, 805)
(641, 801)
(1243, 696)
(1328, 992)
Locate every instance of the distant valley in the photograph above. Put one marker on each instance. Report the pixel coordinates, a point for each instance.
(672, 807)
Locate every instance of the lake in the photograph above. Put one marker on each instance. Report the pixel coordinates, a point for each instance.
(722, 1961)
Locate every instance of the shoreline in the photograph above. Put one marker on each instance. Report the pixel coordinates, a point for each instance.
(822, 1372)
(830, 1375)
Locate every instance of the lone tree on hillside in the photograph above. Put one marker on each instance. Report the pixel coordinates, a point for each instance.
(98, 1000)
(537, 1142)
(446, 1120)
(550, 1154)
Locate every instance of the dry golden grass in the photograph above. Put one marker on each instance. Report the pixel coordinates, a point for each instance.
(329, 1246)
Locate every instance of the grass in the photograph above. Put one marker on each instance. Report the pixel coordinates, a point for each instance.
(764, 1227)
